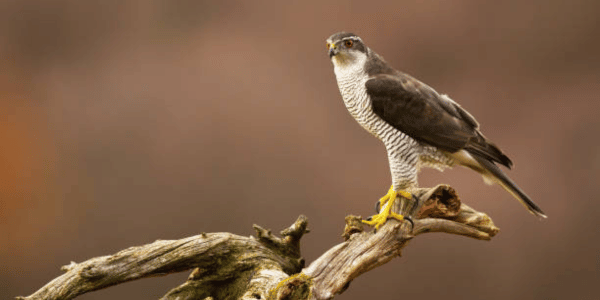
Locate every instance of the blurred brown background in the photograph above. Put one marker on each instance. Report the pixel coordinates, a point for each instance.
(123, 122)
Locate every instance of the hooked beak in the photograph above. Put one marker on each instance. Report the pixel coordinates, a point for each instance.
(333, 50)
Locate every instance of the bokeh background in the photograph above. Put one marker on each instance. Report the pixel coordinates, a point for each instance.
(124, 122)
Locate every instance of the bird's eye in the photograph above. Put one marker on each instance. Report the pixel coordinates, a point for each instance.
(349, 43)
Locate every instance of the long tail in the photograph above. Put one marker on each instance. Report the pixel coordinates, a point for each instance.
(492, 172)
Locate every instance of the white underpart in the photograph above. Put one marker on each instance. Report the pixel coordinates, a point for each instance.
(465, 159)
(405, 154)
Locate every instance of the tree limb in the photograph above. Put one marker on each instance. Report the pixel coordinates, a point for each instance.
(228, 266)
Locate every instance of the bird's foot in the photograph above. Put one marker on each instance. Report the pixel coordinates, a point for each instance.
(387, 202)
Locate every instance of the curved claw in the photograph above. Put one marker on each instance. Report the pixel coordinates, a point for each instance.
(412, 224)
(415, 206)
(377, 207)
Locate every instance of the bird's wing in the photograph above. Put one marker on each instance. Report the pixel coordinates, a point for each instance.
(420, 112)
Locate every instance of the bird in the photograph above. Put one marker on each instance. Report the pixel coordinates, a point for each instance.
(418, 126)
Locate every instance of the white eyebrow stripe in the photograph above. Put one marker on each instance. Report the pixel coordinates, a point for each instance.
(352, 38)
(330, 41)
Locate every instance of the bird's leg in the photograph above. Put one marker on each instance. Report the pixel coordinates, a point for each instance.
(387, 203)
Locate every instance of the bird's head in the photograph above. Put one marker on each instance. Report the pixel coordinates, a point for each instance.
(346, 49)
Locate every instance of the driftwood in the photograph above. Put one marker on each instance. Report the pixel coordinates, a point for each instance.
(228, 266)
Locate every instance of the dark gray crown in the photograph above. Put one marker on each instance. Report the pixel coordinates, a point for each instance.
(339, 37)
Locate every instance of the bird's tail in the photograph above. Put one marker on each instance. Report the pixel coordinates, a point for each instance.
(493, 173)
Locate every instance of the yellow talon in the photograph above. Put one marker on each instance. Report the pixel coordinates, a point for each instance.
(386, 203)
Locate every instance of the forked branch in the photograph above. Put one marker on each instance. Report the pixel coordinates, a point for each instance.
(228, 266)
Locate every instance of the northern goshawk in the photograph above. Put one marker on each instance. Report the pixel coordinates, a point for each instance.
(418, 126)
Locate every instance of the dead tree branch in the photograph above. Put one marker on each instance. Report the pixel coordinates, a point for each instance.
(228, 266)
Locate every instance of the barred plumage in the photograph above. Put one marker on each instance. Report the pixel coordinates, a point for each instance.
(405, 154)
(418, 126)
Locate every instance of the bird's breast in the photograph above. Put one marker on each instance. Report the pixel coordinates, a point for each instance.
(356, 99)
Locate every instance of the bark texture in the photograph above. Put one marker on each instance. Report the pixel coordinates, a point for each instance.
(228, 266)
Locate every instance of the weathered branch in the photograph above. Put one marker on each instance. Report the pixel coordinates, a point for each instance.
(221, 259)
(438, 210)
(227, 266)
